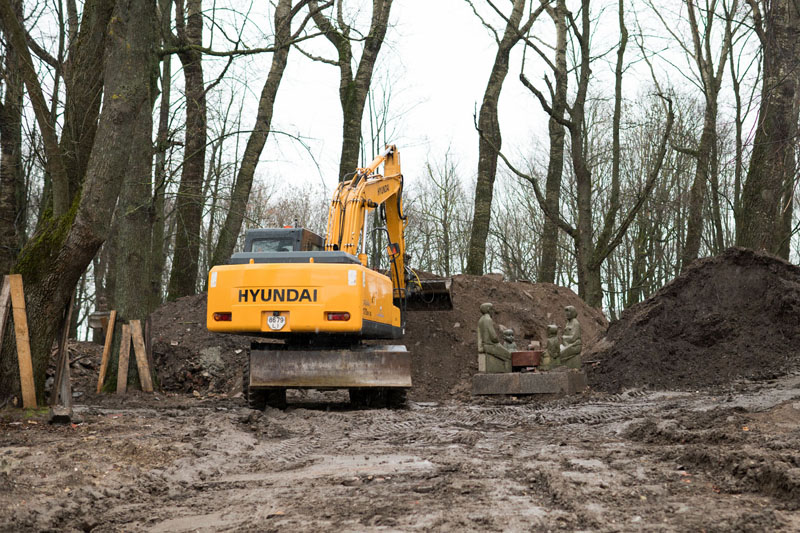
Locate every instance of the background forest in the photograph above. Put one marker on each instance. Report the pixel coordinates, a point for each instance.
(611, 143)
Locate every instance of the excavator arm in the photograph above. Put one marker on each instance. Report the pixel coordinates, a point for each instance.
(352, 202)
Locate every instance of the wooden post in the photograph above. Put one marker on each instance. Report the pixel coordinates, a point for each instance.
(124, 357)
(141, 356)
(23, 342)
(148, 342)
(61, 383)
(5, 307)
(112, 318)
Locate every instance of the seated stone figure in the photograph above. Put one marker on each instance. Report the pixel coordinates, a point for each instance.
(492, 356)
(508, 340)
(571, 344)
(552, 353)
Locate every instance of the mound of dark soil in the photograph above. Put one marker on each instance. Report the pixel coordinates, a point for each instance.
(188, 357)
(725, 318)
(443, 343)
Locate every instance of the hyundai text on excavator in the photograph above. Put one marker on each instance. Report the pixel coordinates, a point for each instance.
(322, 304)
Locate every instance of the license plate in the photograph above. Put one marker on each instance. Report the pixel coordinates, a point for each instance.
(276, 322)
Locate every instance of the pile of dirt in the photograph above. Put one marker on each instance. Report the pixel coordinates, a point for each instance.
(730, 317)
(189, 358)
(443, 343)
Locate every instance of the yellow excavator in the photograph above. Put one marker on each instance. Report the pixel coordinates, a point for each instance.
(316, 303)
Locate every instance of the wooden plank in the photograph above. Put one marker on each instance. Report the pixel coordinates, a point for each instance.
(141, 356)
(106, 349)
(148, 344)
(5, 307)
(66, 384)
(61, 383)
(124, 357)
(23, 342)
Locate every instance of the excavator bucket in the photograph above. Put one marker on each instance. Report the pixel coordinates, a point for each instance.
(429, 295)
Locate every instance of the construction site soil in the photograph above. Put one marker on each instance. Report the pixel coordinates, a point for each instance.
(442, 343)
(692, 422)
(725, 318)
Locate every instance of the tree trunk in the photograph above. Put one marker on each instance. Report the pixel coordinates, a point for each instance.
(132, 245)
(772, 165)
(353, 89)
(549, 259)
(54, 260)
(490, 142)
(697, 195)
(189, 206)
(10, 158)
(255, 143)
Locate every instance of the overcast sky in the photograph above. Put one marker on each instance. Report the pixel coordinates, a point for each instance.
(437, 57)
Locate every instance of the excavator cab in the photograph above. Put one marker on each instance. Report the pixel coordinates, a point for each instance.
(289, 239)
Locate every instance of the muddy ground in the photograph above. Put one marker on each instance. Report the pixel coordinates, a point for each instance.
(691, 423)
(723, 460)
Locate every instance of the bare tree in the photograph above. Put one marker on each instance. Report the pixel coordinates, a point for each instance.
(189, 208)
(555, 166)
(710, 77)
(353, 87)
(284, 37)
(53, 261)
(438, 219)
(490, 140)
(593, 247)
(768, 192)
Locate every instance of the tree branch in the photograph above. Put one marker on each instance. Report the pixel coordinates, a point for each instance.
(555, 217)
(649, 184)
(549, 110)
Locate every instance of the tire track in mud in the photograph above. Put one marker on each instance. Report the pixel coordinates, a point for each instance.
(290, 451)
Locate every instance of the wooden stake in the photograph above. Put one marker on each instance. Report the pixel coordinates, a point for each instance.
(61, 384)
(5, 307)
(148, 342)
(23, 342)
(124, 358)
(112, 318)
(141, 356)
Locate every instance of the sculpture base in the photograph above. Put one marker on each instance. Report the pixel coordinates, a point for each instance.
(518, 383)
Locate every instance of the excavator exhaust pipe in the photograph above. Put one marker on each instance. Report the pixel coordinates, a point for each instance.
(429, 295)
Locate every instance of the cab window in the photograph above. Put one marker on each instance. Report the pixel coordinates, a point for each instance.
(273, 245)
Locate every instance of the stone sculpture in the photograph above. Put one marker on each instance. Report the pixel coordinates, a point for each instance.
(571, 344)
(508, 340)
(552, 353)
(493, 357)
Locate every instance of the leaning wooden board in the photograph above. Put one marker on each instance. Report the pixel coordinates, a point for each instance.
(141, 356)
(106, 350)
(5, 305)
(124, 357)
(23, 342)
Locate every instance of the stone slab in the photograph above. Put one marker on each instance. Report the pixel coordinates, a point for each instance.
(519, 383)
